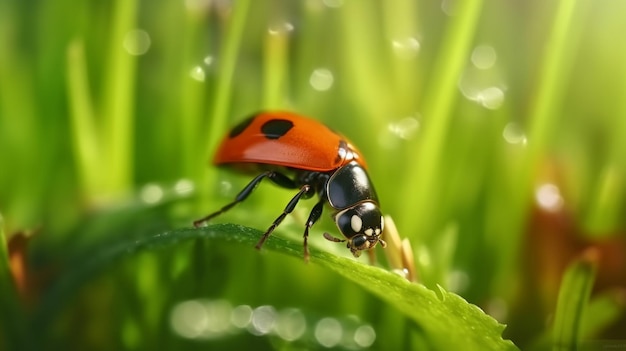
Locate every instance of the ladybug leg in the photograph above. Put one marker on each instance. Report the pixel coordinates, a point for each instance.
(276, 177)
(288, 209)
(315, 214)
(329, 237)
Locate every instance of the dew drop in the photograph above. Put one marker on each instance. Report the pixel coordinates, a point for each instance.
(514, 134)
(404, 128)
(197, 73)
(283, 28)
(406, 48)
(491, 98)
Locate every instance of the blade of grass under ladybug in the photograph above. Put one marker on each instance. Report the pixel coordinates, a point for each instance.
(448, 320)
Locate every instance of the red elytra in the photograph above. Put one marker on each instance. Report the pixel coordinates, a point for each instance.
(286, 139)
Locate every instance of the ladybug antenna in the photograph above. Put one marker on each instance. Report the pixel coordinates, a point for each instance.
(332, 238)
(382, 242)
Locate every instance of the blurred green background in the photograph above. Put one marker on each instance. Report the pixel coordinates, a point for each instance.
(495, 132)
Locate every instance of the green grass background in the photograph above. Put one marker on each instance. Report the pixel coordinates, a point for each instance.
(90, 132)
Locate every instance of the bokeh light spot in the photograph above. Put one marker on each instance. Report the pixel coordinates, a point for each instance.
(514, 134)
(197, 73)
(137, 42)
(184, 187)
(189, 319)
(490, 98)
(548, 197)
(290, 324)
(364, 336)
(404, 128)
(328, 332)
(406, 48)
(282, 28)
(484, 57)
(241, 316)
(263, 319)
(151, 193)
(321, 79)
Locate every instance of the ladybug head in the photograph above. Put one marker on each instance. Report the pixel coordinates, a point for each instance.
(362, 226)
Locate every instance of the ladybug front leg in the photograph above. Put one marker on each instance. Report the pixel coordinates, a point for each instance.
(278, 178)
(304, 190)
(315, 214)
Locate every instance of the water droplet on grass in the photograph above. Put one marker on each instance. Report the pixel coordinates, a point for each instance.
(406, 48)
(197, 73)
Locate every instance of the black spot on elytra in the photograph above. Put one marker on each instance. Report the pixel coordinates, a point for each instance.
(239, 128)
(275, 128)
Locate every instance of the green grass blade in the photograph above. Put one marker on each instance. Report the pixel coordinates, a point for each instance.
(224, 89)
(192, 97)
(219, 115)
(552, 81)
(85, 138)
(437, 113)
(572, 302)
(118, 102)
(603, 310)
(276, 66)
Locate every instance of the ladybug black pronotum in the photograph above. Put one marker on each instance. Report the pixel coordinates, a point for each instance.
(299, 153)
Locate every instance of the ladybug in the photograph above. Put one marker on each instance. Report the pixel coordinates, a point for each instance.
(299, 153)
